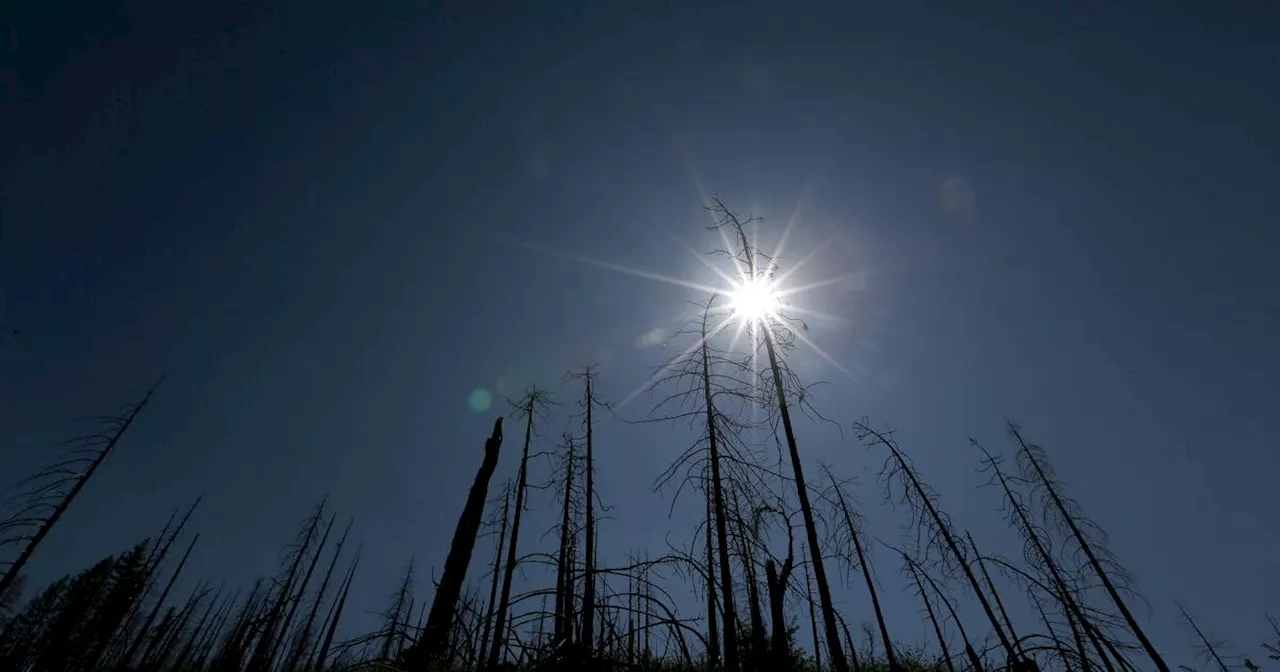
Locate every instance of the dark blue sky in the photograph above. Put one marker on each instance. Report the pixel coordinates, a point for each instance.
(305, 217)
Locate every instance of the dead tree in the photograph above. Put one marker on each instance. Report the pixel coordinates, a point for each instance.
(397, 617)
(565, 557)
(933, 619)
(306, 580)
(813, 620)
(40, 500)
(918, 572)
(487, 626)
(933, 528)
(157, 555)
(778, 580)
(748, 541)
(995, 594)
(198, 633)
(713, 390)
(775, 334)
(531, 406)
(589, 402)
(1058, 647)
(276, 625)
(435, 634)
(1036, 545)
(304, 637)
(853, 527)
(1273, 650)
(1088, 537)
(164, 594)
(1207, 648)
(335, 614)
(713, 627)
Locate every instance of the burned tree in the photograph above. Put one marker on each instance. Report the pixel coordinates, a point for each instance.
(778, 581)
(566, 556)
(936, 540)
(853, 527)
(589, 402)
(774, 332)
(40, 500)
(335, 615)
(1039, 559)
(933, 619)
(1064, 513)
(276, 624)
(146, 625)
(1207, 648)
(712, 389)
(531, 406)
(435, 634)
(305, 634)
(917, 573)
(496, 576)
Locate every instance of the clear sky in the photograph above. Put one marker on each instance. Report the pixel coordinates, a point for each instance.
(312, 218)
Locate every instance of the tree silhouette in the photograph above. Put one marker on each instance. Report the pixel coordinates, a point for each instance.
(39, 501)
(440, 619)
(1064, 512)
(531, 406)
(774, 333)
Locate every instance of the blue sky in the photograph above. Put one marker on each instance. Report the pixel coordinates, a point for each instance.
(313, 222)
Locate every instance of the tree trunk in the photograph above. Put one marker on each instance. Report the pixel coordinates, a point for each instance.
(933, 620)
(713, 627)
(332, 625)
(779, 652)
(146, 625)
(306, 579)
(813, 622)
(11, 574)
(440, 619)
(493, 586)
(969, 651)
(944, 530)
(811, 530)
(589, 553)
(499, 628)
(995, 595)
(718, 503)
(856, 536)
(300, 650)
(1093, 559)
(564, 603)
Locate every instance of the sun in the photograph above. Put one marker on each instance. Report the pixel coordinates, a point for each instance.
(754, 300)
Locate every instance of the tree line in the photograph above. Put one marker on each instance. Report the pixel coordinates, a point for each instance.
(745, 410)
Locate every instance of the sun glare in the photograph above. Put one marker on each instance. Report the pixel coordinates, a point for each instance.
(754, 300)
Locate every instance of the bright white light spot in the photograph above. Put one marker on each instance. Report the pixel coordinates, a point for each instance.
(754, 300)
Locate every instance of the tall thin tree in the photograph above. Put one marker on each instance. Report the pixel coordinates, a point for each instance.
(530, 407)
(854, 529)
(764, 328)
(589, 402)
(146, 625)
(42, 499)
(440, 619)
(496, 578)
(929, 521)
(1038, 470)
(563, 626)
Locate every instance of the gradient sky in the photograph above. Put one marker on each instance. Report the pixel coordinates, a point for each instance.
(317, 219)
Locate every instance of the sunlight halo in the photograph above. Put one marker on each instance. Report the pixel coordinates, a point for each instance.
(754, 300)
